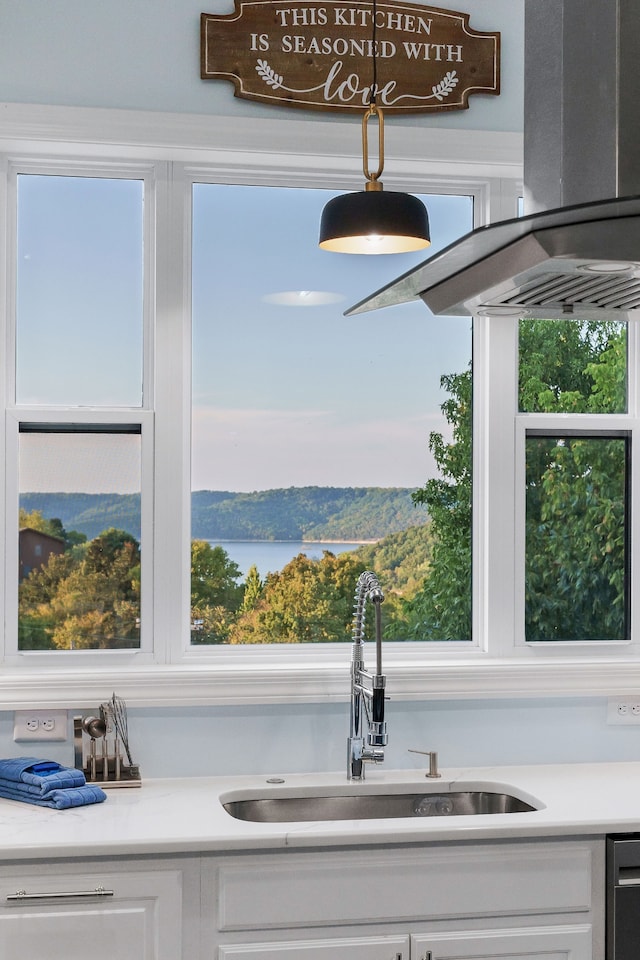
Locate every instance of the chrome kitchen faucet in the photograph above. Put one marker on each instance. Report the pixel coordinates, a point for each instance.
(367, 689)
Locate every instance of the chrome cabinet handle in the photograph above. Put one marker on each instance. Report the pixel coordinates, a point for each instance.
(428, 956)
(22, 896)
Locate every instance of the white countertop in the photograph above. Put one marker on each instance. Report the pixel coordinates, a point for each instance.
(186, 816)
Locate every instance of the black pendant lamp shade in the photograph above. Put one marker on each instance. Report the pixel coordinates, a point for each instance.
(373, 221)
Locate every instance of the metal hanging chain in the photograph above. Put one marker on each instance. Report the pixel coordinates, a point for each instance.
(373, 111)
(373, 178)
(374, 57)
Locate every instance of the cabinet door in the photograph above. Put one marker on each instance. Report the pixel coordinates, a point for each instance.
(529, 943)
(102, 916)
(346, 948)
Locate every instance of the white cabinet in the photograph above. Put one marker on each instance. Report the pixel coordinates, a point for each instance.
(571, 942)
(333, 948)
(528, 943)
(537, 900)
(110, 911)
(534, 900)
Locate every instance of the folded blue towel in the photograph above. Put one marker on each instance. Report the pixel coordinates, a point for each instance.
(46, 783)
(43, 774)
(59, 799)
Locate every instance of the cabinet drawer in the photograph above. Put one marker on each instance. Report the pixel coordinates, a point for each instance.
(297, 890)
(98, 914)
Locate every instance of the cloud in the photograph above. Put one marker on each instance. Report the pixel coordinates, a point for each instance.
(303, 298)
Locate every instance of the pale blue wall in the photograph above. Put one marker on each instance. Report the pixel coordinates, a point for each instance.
(205, 741)
(133, 54)
(312, 737)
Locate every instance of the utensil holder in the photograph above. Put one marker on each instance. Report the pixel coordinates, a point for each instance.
(107, 769)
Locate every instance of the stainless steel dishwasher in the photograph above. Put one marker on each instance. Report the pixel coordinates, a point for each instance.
(623, 897)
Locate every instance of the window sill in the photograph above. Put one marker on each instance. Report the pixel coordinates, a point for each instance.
(326, 680)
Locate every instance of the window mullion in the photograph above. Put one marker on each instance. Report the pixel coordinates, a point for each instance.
(172, 433)
(495, 397)
(633, 378)
(7, 253)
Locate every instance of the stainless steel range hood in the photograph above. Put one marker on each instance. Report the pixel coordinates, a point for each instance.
(578, 249)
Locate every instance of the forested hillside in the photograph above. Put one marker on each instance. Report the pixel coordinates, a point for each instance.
(295, 513)
(304, 513)
(88, 513)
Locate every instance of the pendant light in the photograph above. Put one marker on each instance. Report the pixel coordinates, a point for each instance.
(373, 221)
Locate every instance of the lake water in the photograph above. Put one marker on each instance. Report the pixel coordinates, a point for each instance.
(272, 555)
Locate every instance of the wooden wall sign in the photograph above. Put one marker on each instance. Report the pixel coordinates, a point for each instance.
(318, 54)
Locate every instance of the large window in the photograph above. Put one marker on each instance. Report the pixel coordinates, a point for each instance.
(202, 452)
(577, 566)
(75, 429)
(319, 441)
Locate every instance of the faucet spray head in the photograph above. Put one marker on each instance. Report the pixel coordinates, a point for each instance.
(367, 588)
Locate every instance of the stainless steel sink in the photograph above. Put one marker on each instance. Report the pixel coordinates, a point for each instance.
(374, 806)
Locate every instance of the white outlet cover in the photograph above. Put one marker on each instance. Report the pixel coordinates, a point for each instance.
(624, 710)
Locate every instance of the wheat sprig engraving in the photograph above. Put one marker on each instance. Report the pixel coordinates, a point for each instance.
(445, 86)
(275, 80)
(269, 75)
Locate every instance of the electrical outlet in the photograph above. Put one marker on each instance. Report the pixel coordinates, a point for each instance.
(623, 710)
(40, 725)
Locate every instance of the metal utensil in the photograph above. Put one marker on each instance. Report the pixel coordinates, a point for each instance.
(105, 713)
(95, 727)
(119, 713)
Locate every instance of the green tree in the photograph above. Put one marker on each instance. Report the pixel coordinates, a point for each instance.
(36, 620)
(308, 601)
(576, 499)
(215, 592)
(441, 609)
(572, 366)
(104, 549)
(253, 587)
(214, 576)
(87, 603)
(35, 520)
(401, 560)
(98, 604)
(575, 558)
(575, 562)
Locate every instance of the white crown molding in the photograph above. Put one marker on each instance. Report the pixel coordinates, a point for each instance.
(283, 144)
(224, 684)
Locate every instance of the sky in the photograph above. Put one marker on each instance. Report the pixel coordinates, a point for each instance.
(79, 291)
(286, 390)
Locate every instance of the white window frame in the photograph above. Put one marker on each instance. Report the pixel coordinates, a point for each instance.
(77, 419)
(175, 151)
(139, 416)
